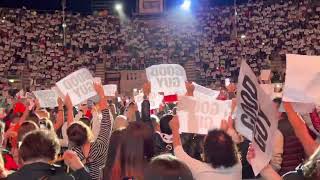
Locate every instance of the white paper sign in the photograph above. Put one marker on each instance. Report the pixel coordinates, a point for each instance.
(58, 92)
(110, 89)
(203, 92)
(268, 89)
(154, 98)
(299, 107)
(46, 98)
(167, 78)
(79, 86)
(302, 82)
(198, 115)
(256, 117)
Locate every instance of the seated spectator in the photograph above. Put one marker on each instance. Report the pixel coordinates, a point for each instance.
(167, 167)
(36, 156)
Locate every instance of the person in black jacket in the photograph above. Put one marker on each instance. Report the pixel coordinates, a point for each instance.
(38, 150)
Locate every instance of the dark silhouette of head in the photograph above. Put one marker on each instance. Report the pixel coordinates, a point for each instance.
(164, 124)
(167, 167)
(79, 133)
(220, 150)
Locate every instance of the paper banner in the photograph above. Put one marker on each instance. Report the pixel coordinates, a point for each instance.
(79, 86)
(110, 90)
(302, 82)
(198, 115)
(167, 78)
(46, 98)
(256, 117)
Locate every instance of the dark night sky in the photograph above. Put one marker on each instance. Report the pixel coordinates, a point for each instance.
(85, 5)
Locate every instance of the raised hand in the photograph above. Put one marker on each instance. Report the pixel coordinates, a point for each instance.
(60, 103)
(147, 88)
(224, 125)
(103, 99)
(190, 88)
(68, 102)
(72, 160)
(231, 88)
(99, 89)
(251, 154)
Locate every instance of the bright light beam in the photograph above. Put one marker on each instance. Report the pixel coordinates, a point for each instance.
(118, 7)
(186, 5)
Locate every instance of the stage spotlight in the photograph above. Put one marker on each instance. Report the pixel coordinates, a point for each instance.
(186, 5)
(118, 6)
(64, 25)
(243, 36)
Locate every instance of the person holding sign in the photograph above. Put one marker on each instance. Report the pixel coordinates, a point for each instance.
(221, 160)
(92, 153)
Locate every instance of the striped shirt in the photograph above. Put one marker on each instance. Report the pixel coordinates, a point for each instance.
(98, 150)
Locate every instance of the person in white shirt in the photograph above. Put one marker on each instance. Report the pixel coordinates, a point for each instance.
(221, 160)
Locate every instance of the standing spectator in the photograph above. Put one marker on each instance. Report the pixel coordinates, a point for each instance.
(221, 159)
(93, 154)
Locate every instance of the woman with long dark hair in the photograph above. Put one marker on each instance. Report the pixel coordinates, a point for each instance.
(133, 155)
(135, 150)
(112, 170)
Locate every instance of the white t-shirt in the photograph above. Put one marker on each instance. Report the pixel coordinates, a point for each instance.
(204, 171)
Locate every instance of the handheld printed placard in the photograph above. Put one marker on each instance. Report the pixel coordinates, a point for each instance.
(79, 86)
(110, 89)
(302, 108)
(46, 98)
(268, 89)
(302, 83)
(198, 115)
(167, 78)
(256, 114)
(203, 92)
(58, 92)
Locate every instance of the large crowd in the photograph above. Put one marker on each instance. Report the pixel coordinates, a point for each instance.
(212, 37)
(111, 138)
